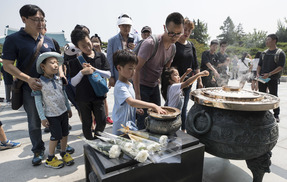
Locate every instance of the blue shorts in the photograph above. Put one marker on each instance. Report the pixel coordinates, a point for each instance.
(59, 126)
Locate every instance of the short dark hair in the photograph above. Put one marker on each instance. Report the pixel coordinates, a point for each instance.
(78, 35)
(124, 57)
(175, 17)
(82, 27)
(273, 37)
(214, 42)
(30, 10)
(223, 42)
(97, 36)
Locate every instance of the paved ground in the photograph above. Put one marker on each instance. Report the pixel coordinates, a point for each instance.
(15, 164)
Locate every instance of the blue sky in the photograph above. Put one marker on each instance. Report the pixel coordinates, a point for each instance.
(101, 15)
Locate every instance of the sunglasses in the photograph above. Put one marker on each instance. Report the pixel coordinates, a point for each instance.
(172, 34)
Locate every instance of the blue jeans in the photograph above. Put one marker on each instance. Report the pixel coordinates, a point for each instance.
(148, 94)
(34, 122)
(186, 92)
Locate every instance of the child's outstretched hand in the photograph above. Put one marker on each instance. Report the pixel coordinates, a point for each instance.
(205, 73)
(188, 70)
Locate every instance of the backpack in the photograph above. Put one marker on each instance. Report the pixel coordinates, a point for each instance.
(276, 58)
(155, 39)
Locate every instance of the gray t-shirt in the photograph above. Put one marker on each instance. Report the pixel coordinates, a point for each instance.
(152, 69)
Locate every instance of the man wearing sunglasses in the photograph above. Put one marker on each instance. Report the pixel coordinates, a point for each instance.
(150, 64)
(21, 46)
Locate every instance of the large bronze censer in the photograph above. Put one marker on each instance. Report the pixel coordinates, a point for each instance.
(235, 124)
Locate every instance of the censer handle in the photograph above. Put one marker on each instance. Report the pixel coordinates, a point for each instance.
(208, 125)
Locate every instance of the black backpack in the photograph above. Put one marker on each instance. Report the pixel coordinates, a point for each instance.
(276, 58)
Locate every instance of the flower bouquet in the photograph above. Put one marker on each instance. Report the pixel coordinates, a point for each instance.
(150, 145)
(161, 139)
(134, 149)
(108, 149)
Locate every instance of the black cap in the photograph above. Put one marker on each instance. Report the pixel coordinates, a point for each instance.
(146, 29)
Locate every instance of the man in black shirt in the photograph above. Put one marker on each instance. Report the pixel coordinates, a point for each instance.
(209, 61)
(270, 65)
(223, 62)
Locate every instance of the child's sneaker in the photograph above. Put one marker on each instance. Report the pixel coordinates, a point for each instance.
(9, 145)
(69, 149)
(68, 159)
(54, 163)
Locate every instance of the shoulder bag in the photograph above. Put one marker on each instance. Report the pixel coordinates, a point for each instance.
(17, 91)
(98, 83)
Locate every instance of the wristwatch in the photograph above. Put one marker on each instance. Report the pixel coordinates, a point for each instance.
(269, 74)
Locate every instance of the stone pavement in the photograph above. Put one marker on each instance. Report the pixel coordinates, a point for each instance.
(15, 164)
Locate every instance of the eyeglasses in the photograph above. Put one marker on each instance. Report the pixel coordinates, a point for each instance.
(38, 20)
(172, 34)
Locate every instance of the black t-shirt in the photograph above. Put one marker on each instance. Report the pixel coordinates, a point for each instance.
(207, 57)
(184, 58)
(84, 90)
(268, 64)
(221, 59)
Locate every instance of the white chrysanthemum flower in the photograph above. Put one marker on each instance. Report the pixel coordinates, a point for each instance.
(142, 156)
(115, 151)
(154, 147)
(128, 147)
(141, 146)
(163, 140)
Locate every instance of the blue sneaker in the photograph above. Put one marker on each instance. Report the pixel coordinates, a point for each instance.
(69, 149)
(38, 157)
(9, 145)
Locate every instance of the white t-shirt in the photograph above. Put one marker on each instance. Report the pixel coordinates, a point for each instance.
(254, 64)
(174, 96)
(242, 66)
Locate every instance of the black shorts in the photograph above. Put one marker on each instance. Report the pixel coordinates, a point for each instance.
(59, 126)
(254, 75)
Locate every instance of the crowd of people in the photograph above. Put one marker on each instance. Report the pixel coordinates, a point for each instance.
(134, 67)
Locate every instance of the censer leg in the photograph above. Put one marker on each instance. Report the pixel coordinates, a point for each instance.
(259, 166)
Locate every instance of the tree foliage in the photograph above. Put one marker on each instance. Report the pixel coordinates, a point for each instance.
(282, 31)
(255, 39)
(228, 31)
(199, 47)
(200, 32)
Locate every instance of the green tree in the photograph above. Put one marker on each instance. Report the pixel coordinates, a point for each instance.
(255, 39)
(199, 47)
(281, 31)
(200, 32)
(239, 34)
(228, 31)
